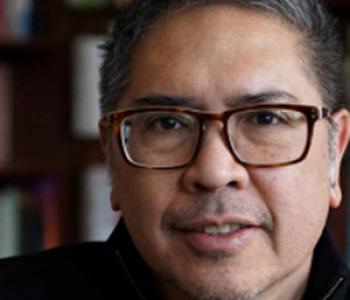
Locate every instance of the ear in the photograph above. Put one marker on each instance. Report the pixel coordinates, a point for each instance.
(341, 121)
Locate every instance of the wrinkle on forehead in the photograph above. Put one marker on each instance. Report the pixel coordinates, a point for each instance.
(209, 46)
(209, 23)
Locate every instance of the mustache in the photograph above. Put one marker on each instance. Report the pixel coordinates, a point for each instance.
(224, 203)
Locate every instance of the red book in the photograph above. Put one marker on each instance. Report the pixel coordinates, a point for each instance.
(3, 31)
(5, 138)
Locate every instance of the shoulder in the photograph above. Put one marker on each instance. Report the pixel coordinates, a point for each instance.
(54, 274)
(63, 258)
(329, 277)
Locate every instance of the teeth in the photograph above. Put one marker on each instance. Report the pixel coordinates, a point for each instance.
(221, 230)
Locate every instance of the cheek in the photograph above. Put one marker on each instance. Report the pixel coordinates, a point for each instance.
(143, 196)
(298, 198)
(139, 191)
(302, 189)
(302, 200)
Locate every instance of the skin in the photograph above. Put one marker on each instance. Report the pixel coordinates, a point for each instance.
(214, 55)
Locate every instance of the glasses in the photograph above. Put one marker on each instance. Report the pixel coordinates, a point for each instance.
(266, 136)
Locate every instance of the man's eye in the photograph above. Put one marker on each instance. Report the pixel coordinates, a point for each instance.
(164, 123)
(169, 123)
(266, 118)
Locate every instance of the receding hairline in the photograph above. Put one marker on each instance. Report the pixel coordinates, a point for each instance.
(323, 53)
(300, 38)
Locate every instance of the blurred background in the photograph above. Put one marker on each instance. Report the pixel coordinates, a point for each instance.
(54, 186)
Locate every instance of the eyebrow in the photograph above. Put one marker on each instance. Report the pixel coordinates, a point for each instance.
(165, 100)
(278, 97)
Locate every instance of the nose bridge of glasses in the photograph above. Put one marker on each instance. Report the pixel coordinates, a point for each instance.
(215, 121)
(211, 120)
(211, 117)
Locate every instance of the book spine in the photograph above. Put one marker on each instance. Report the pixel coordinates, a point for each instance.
(40, 215)
(5, 115)
(87, 60)
(19, 18)
(9, 223)
(48, 195)
(29, 220)
(97, 217)
(3, 27)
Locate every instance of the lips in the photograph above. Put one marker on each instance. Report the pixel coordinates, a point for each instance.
(221, 229)
(211, 235)
(216, 225)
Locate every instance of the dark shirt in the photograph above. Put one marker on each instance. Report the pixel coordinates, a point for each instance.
(114, 270)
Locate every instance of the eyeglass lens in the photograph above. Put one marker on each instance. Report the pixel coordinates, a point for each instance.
(257, 136)
(271, 136)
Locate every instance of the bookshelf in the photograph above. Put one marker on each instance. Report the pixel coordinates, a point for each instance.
(42, 145)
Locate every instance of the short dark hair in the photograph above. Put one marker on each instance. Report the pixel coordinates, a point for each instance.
(324, 53)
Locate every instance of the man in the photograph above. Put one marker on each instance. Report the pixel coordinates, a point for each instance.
(224, 132)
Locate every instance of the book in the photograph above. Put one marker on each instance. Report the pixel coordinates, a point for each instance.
(9, 222)
(40, 215)
(19, 16)
(86, 64)
(96, 215)
(29, 216)
(3, 29)
(48, 193)
(5, 115)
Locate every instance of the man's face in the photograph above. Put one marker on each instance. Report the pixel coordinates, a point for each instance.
(215, 55)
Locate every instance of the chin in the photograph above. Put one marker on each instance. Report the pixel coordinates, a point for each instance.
(205, 292)
(217, 287)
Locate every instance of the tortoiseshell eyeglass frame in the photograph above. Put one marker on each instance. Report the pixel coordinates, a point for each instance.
(312, 113)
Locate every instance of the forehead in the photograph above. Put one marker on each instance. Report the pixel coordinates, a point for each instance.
(217, 51)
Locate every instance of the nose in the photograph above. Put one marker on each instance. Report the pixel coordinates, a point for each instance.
(214, 166)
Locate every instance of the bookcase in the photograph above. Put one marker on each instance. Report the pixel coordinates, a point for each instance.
(42, 159)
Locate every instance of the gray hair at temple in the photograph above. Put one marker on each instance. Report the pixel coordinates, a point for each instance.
(323, 50)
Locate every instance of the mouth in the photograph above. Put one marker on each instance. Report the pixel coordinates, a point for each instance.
(227, 237)
(220, 230)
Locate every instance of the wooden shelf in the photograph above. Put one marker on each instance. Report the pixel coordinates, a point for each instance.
(22, 49)
(90, 21)
(22, 169)
(89, 152)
